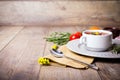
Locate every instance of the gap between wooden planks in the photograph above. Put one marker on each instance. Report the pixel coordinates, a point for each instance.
(18, 60)
(7, 33)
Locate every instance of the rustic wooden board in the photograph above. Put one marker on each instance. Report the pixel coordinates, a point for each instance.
(18, 61)
(7, 34)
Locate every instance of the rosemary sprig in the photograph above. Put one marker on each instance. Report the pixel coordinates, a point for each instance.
(116, 49)
(59, 38)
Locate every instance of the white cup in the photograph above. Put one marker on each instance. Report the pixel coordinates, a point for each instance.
(96, 42)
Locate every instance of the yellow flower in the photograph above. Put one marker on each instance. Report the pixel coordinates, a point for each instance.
(97, 33)
(55, 46)
(43, 61)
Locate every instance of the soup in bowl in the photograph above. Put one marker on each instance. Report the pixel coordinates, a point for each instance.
(96, 40)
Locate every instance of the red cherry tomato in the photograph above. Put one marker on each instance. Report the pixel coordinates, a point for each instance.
(75, 36)
(72, 37)
(78, 34)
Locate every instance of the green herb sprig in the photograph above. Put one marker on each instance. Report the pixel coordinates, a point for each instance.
(116, 49)
(59, 38)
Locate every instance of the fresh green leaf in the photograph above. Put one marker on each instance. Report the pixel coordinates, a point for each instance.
(59, 38)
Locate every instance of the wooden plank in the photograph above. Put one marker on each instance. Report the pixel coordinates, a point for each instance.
(59, 12)
(7, 34)
(18, 61)
(62, 73)
(109, 69)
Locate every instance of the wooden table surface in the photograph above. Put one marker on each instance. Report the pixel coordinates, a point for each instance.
(21, 46)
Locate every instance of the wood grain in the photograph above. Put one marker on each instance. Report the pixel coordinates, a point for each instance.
(59, 12)
(109, 69)
(7, 34)
(18, 59)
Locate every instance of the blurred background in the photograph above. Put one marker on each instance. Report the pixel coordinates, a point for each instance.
(60, 12)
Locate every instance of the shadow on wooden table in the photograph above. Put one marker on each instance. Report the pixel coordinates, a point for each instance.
(106, 60)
